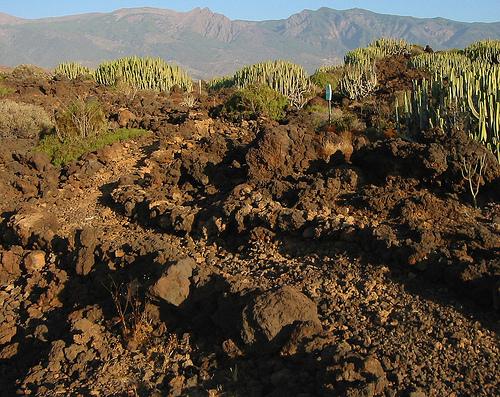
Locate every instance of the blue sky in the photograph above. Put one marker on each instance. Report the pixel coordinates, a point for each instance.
(462, 10)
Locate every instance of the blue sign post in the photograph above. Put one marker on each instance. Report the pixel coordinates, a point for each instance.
(328, 97)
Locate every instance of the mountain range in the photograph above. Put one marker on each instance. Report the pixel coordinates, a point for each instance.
(210, 44)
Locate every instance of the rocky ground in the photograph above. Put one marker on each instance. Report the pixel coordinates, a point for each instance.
(209, 258)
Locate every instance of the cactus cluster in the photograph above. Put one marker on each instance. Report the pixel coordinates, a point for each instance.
(143, 73)
(73, 70)
(441, 61)
(459, 86)
(485, 51)
(391, 46)
(358, 81)
(378, 49)
(219, 83)
(360, 77)
(286, 78)
(363, 56)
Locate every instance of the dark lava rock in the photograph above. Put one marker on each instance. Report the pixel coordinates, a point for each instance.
(272, 312)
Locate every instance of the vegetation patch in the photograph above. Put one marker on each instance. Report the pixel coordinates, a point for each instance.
(22, 120)
(3, 89)
(328, 75)
(140, 73)
(254, 101)
(62, 152)
(286, 78)
(83, 118)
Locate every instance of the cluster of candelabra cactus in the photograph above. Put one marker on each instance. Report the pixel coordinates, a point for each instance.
(140, 73)
(363, 56)
(360, 77)
(287, 78)
(73, 70)
(143, 73)
(485, 50)
(460, 86)
(358, 80)
(376, 50)
(218, 83)
(391, 46)
(441, 61)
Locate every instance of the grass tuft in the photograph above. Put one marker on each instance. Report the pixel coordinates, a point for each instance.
(64, 152)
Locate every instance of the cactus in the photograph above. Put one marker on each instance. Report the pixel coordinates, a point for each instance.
(485, 51)
(143, 73)
(220, 82)
(390, 46)
(358, 81)
(73, 70)
(468, 84)
(284, 77)
(363, 56)
(378, 49)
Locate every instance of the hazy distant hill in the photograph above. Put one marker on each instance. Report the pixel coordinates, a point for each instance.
(210, 44)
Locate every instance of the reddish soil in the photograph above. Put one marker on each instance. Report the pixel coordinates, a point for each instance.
(257, 259)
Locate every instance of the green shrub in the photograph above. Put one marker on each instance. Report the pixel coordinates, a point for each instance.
(22, 120)
(254, 101)
(327, 75)
(5, 91)
(80, 119)
(64, 152)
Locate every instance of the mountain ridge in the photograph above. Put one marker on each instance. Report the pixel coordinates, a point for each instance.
(209, 43)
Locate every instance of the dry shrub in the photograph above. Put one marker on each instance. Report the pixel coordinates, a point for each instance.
(83, 118)
(343, 121)
(22, 120)
(135, 322)
(29, 71)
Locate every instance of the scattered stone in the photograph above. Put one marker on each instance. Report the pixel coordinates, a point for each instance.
(34, 261)
(173, 285)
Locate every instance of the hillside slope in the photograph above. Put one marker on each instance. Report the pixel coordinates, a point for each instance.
(210, 44)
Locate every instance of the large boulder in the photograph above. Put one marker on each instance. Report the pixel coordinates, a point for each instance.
(271, 312)
(33, 226)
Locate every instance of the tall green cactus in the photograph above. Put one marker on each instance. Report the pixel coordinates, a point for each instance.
(378, 49)
(358, 81)
(143, 73)
(485, 51)
(284, 77)
(287, 78)
(73, 70)
(468, 84)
